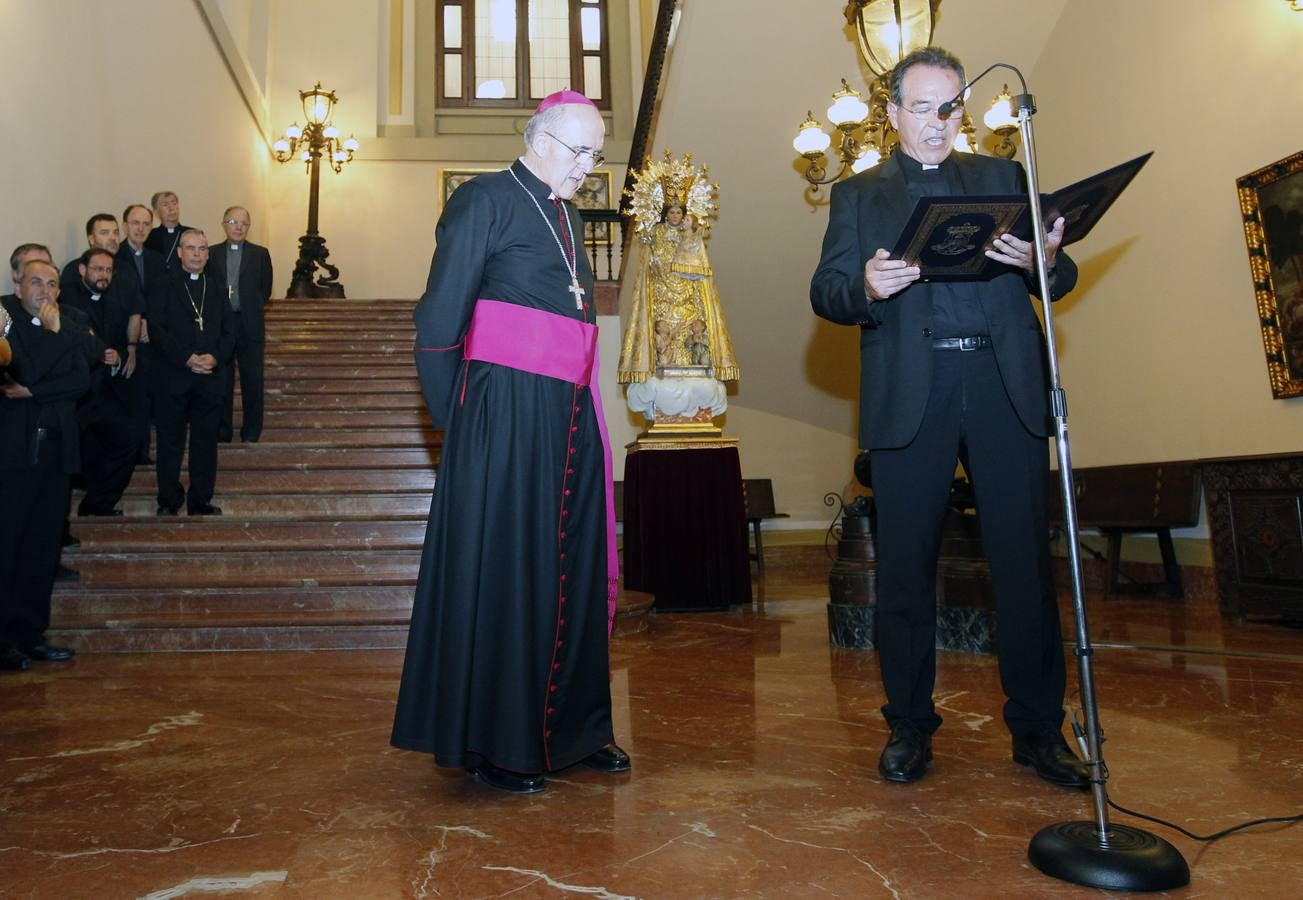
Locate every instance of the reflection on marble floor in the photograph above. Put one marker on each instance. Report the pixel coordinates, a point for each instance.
(754, 747)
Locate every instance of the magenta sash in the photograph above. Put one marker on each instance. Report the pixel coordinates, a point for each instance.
(543, 343)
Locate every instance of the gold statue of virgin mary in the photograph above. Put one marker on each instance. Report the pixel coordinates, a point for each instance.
(676, 327)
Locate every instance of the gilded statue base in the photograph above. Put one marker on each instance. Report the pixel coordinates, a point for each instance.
(681, 436)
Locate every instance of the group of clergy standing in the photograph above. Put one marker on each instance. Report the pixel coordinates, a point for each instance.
(132, 334)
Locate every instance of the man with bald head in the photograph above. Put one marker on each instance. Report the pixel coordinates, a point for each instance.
(38, 451)
(507, 670)
(192, 333)
(241, 270)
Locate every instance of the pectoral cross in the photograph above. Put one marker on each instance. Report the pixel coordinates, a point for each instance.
(199, 320)
(577, 291)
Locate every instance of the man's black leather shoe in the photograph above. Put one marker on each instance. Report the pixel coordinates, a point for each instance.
(206, 510)
(165, 510)
(610, 759)
(1047, 752)
(14, 660)
(503, 780)
(48, 653)
(70, 541)
(99, 512)
(906, 755)
(63, 573)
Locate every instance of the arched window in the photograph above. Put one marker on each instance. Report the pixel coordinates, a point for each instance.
(487, 59)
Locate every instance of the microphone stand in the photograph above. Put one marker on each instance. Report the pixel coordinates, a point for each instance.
(1097, 853)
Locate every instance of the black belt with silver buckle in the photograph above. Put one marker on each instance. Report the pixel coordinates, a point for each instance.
(976, 342)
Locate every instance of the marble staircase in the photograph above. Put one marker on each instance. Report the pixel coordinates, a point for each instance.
(324, 517)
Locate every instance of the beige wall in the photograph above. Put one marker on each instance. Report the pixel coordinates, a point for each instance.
(1162, 352)
(91, 123)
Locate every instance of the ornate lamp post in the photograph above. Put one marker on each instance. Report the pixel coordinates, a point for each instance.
(310, 143)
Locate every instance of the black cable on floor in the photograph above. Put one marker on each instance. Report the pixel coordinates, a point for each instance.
(1218, 835)
(1080, 733)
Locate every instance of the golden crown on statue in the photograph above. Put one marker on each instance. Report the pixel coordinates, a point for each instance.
(671, 182)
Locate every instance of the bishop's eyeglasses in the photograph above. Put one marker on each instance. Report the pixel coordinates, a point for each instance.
(580, 152)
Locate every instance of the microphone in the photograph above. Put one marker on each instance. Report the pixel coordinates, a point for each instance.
(945, 109)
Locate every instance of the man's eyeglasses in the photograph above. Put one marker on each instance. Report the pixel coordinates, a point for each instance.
(925, 111)
(234, 222)
(594, 155)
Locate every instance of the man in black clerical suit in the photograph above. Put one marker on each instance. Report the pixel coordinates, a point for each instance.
(165, 239)
(102, 234)
(241, 271)
(38, 450)
(192, 332)
(109, 442)
(145, 264)
(950, 370)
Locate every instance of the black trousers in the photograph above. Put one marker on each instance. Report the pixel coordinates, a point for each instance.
(109, 449)
(142, 395)
(197, 408)
(248, 355)
(968, 417)
(33, 509)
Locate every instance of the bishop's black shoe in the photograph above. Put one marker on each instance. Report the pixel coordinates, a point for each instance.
(14, 660)
(513, 782)
(610, 759)
(1047, 752)
(48, 652)
(906, 755)
(206, 509)
(165, 509)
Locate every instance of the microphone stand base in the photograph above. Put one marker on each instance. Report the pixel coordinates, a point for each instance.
(1132, 860)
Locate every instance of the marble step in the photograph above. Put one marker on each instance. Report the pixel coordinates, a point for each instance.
(360, 366)
(169, 638)
(405, 436)
(369, 418)
(231, 533)
(298, 481)
(342, 400)
(277, 385)
(308, 569)
(142, 504)
(80, 607)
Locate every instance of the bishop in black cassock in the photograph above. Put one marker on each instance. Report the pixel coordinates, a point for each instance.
(507, 672)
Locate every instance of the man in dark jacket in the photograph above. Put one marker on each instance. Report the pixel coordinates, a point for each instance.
(38, 451)
(192, 331)
(950, 370)
(241, 271)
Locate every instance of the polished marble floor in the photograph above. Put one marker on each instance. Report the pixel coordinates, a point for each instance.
(754, 743)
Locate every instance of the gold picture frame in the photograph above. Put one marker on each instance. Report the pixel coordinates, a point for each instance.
(1271, 204)
(594, 193)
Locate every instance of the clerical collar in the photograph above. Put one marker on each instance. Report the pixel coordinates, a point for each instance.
(912, 166)
(235, 246)
(138, 252)
(194, 276)
(170, 228)
(95, 297)
(531, 182)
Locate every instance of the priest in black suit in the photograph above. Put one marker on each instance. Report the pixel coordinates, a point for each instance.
(192, 333)
(38, 451)
(165, 239)
(241, 271)
(950, 371)
(109, 442)
(147, 265)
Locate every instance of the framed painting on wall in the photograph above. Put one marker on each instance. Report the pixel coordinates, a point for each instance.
(1271, 203)
(594, 193)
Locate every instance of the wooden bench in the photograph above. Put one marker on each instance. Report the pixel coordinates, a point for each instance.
(1149, 498)
(758, 494)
